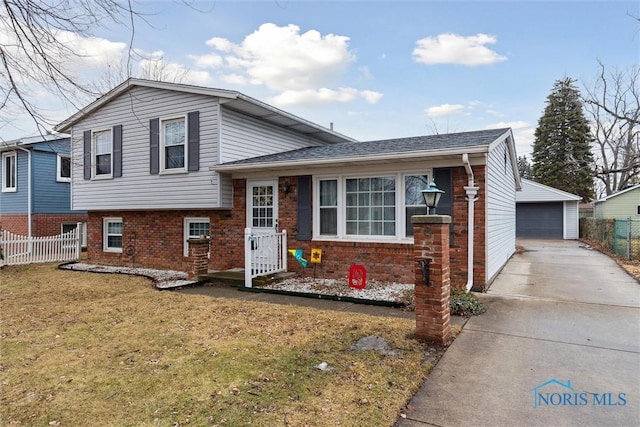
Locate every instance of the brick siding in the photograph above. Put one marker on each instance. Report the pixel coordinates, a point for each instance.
(15, 223)
(51, 224)
(155, 239)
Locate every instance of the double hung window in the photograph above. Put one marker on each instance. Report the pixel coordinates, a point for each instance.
(63, 168)
(9, 172)
(103, 151)
(173, 140)
(112, 234)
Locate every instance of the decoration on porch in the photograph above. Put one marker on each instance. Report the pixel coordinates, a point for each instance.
(357, 276)
(297, 254)
(316, 256)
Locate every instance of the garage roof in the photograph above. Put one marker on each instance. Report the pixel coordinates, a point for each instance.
(536, 192)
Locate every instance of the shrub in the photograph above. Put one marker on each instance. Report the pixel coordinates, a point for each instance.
(465, 304)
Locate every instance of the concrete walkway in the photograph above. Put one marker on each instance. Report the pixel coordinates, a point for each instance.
(558, 346)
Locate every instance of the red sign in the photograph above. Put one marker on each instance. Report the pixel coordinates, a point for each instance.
(357, 277)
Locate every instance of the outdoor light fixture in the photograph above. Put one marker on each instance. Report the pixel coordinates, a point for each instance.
(432, 196)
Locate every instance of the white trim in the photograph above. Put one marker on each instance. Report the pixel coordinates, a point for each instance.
(617, 194)
(105, 235)
(5, 187)
(562, 195)
(59, 176)
(249, 205)
(185, 231)
(163, 169)
(83, 231)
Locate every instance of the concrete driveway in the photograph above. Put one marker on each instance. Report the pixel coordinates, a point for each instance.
(558, 346)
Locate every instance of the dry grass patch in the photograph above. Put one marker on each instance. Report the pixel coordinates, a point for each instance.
(95, 349)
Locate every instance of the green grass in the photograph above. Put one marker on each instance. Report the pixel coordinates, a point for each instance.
(110, 350)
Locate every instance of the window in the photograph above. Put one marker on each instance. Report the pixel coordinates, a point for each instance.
(9, 172)
(63, 173)
(369, 207)
(638, 210)
(68, 226)
(413, 199)
(193, 229)
(173, 144)
(329, 207)
(103, 148)
(112, 235)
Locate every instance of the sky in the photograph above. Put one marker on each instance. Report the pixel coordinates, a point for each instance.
(373, 69)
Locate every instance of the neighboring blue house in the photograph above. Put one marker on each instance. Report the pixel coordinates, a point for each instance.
(35, 192)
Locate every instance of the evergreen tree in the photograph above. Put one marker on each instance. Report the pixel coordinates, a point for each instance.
(524, 167)
(562, 155)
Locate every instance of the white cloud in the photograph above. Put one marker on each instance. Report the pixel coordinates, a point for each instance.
(444, 110)
(455, 49)
(523, 135)
(301, 68)
(323, 96)
(210, 60)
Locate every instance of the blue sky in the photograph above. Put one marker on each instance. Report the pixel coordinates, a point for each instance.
(384, 69)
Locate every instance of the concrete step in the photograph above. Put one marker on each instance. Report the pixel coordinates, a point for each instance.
(235, 277)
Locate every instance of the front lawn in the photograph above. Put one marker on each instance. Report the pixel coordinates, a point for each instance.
(103, 349)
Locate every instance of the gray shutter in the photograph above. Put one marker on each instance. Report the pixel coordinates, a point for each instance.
(443, 177)
(154, 146)
(304, 208)
(193, 123)
(117, 150)
(87, 154)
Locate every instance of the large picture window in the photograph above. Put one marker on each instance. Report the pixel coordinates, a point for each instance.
(103, 151)
(9, 172)
(369, 207)
(112, 234)
(173, 140)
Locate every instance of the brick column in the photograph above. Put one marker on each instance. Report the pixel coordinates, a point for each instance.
(431, 241)
(198, 257)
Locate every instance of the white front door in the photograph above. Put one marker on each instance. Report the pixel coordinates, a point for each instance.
(262, 206)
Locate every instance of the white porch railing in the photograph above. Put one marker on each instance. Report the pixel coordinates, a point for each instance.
(264, 254)
(16, 249)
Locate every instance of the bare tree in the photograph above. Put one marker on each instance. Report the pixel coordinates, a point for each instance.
(614, 105)
(34, 52)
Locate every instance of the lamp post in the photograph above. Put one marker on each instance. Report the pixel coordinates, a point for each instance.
(432, 196)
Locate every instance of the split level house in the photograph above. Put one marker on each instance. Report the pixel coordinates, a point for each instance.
(35, 198)
(158, 163)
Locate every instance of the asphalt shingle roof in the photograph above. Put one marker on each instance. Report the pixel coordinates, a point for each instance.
(386, 146)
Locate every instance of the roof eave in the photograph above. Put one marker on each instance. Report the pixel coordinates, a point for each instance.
(386, 157)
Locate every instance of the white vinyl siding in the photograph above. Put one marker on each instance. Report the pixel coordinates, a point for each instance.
(243, 137)
(137, 188)
(500, 209)
(571, 220)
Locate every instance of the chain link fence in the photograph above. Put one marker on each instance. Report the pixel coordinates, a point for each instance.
(621, 236)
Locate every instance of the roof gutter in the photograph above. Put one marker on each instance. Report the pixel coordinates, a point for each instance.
(409, 155)
(471, 191)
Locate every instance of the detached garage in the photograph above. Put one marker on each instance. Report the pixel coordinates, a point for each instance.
(545, 212)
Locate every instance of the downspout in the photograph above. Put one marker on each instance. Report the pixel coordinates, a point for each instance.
(29, 208)
(471, 191)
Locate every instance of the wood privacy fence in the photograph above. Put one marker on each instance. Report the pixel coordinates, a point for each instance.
(16, 249)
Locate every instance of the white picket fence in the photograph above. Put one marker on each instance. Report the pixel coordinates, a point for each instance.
(16, 249)
(264, 254)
